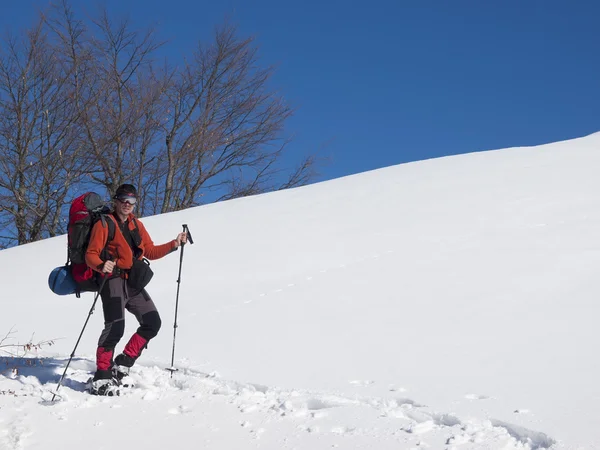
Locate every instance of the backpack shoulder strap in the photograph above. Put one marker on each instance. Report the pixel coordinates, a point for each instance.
(135, 233)
(109, 221)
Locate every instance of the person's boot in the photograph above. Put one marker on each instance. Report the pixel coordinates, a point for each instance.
(124, 360)
(103, 383)
(119, 372)
(122, 365)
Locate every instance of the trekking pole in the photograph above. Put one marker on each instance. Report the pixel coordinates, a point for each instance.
(189, 238)
(80, 334)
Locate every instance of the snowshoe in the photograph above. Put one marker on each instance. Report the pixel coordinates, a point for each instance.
(106, 387)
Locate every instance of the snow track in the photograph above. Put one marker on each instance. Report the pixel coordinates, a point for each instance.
(206, 406)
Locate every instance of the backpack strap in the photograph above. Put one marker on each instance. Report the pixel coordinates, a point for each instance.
(135, 233)
(112, 229)
(111, 226)
(133, 238)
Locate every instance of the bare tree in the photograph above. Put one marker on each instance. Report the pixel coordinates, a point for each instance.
(39, 142)
(224, 128)
(118, 118)
(83, 105)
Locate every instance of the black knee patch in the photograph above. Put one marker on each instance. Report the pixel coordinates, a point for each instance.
(150, 325)
(114, 335)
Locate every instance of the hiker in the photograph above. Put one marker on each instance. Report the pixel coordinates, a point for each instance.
(127, 274)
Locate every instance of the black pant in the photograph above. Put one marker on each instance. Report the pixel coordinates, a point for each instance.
(118, 296)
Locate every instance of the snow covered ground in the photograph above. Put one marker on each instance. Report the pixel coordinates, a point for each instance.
(444, 304)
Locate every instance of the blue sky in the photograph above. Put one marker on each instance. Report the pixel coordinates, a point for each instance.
(384, 82)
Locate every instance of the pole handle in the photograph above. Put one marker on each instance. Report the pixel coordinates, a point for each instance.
(186, 230)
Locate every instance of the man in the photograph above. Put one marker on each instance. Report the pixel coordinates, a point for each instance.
(115, 260)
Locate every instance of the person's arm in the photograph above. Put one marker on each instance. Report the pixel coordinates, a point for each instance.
(152, 251)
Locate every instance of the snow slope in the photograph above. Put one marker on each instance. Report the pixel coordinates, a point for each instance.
(447, 303)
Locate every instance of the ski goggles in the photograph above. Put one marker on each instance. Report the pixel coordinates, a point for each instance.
(130, 200)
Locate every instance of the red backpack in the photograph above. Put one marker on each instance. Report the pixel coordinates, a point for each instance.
(85, 211)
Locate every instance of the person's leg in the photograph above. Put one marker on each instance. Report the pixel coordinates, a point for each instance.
(113, 306)
(142, 306)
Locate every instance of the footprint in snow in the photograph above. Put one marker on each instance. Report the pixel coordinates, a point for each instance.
(257, 433)
(446, 420)
(258, 387)
(309, 429)
(408, 402)
(316, 404)
(16, 434)
(476, 397)
(420, 427)
(248, 408)
(535, 439)
(318, 414)
(397, 389)
(179, 410)
(342, 430)
(459, 439)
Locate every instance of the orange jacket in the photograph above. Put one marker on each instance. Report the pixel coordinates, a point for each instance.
(119, 249)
